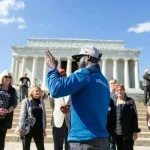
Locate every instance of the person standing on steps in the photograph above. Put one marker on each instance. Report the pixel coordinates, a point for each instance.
(146, 85)
(33, 108)
(126, 129)
(24, 86)
(8, 102)
(61, 117)
(113, 96)
(90, 98)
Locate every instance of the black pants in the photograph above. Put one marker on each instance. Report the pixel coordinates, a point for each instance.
(124, 144)
(2, 137)
(94, 144)
(60, 135)
(38, 139)
(146, 92)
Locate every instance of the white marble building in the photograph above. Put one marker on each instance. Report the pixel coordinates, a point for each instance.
(117, 61)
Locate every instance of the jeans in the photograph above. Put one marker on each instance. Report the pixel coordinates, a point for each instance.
(94, 144)
(60, 135)
(2, 137)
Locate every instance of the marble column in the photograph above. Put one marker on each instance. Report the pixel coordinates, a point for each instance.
(136, 73)
(69, 66)
(13, 66)
(44, 75)
(16, 79)
(34, 71)
(115, 68)
(126, 73)
(23, 65)
(19, 72)
(104, 60)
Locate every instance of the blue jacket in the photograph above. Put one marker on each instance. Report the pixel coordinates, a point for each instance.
(90, 97)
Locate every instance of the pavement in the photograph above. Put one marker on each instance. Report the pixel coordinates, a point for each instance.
(18, 146)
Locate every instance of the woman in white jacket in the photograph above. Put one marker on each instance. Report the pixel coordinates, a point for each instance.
(60, 118)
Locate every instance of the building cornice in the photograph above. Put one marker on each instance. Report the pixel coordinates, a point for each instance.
(19, 47)
(74, 43)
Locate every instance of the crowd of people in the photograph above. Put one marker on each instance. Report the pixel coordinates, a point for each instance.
(88, 111)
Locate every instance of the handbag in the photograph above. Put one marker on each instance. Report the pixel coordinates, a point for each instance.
(27, 124)
(26, 129)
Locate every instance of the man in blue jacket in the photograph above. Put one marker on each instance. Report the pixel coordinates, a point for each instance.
(90, 98)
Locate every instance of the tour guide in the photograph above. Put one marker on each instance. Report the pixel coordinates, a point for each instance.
(90, 97)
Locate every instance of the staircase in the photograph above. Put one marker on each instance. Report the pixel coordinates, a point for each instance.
(143, 140)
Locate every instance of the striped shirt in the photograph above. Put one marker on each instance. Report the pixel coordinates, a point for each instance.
(118, 121)
(118, 117)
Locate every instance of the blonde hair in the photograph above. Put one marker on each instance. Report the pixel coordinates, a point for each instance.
(5, 73)
(31, 91)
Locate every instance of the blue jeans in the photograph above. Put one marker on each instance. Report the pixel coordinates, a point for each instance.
(93, 144)
(112, 144)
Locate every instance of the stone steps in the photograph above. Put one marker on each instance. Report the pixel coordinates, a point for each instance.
(49, 139)
(12, 131)
(49, 132)
(142, 123)
(143, 140)
(16, 138)
(16, 123)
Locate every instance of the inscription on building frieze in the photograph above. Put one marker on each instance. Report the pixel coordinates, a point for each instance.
(74, 44)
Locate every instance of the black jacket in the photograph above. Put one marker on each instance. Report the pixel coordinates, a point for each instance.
(7, 122)
(111, 124)
(129, 119)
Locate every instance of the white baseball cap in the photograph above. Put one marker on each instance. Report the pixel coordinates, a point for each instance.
(88, 50)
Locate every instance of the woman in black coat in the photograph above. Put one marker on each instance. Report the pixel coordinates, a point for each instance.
(8, 102)
(124, 120)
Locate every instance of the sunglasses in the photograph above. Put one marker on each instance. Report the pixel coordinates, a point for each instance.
(8, 77)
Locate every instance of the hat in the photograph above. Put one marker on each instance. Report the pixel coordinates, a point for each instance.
(88, 50)
(62, 71)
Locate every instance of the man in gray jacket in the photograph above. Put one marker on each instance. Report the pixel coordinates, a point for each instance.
(146, 85)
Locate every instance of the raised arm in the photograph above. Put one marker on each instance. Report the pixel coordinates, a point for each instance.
(60, 87)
